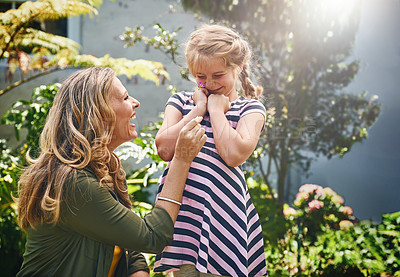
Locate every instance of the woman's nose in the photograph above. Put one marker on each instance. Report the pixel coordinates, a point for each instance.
(135, 102)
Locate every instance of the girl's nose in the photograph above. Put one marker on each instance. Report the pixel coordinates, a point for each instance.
(208, 83)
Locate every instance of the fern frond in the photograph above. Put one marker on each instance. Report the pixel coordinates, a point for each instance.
(46, 9)
(29, 37)
(95, 3)
(61, 9)
(147, 70)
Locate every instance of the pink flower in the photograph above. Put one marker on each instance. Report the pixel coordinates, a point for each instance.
(345, 224)
(289, 211)
(315, 205)
(308, 188)
(347, 210)
(319, 191)
(201, 85)
(300, 197)
(330, 192)
(337, 199)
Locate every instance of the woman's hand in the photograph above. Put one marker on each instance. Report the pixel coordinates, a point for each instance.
(191, 139)
(218, 102)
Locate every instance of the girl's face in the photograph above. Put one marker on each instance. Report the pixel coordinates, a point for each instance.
(124, 107)
(217, 78)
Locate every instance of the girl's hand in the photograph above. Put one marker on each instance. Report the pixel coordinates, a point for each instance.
(218, 102)
(191, 139)
(200, 100)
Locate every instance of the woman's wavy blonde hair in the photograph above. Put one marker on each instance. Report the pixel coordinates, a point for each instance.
(217, 41)
(76, 134)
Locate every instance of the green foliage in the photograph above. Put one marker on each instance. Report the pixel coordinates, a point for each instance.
(163, 39)
(319, 209)
(12, 239)
(324, 239)
(274, 225)
(37, 53)
(31, 115)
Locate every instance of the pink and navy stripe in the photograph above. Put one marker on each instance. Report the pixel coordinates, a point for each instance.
(217, 229)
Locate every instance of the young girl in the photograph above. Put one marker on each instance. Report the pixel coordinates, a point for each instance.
(217, 230)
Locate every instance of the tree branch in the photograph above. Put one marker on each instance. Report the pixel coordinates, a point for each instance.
(265, 176)
(14, 85)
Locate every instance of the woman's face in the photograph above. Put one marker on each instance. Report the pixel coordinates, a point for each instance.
(217, 78)
(124, 108)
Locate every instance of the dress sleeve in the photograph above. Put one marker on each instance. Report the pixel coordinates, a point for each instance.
(254, 106)
(178, 100)
(90, 209)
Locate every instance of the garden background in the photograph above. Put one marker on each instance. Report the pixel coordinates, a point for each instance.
(316, 232)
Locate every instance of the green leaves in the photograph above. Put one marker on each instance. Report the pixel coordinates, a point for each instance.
(48, 52)
(163, 40)
(31, 115)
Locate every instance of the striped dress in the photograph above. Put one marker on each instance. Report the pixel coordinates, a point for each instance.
(217, 229)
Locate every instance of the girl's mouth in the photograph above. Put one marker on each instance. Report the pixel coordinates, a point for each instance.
(215, 91)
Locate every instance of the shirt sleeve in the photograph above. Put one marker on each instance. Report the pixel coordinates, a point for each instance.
(91, 210)
(136, 262)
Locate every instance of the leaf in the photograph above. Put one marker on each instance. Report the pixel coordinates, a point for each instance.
(148, 70)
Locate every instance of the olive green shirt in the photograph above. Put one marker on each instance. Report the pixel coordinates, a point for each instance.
(92, 222)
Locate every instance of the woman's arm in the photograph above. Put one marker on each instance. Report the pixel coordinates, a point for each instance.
(137, 265)
(242, 140)
(95, 214)
(191, 138)
(173, 122)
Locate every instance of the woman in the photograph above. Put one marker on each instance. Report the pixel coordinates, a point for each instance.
(73, 201)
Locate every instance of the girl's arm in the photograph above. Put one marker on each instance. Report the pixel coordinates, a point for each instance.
(173, 122)
(234, 146)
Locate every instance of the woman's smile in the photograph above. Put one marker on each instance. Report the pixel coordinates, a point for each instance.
(124, 108)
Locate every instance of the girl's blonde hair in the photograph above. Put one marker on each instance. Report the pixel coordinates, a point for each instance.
(218, 41)
(76, 134)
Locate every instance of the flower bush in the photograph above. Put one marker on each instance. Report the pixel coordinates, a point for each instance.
(325, 239)
(319, 209)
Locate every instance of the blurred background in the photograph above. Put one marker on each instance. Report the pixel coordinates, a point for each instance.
(330, 70)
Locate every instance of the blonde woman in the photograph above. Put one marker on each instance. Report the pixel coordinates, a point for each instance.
(218, 232)
(73, 200)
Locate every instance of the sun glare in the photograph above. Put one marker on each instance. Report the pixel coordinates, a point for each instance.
(338, 10)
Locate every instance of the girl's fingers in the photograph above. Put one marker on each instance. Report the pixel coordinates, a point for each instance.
(205, 91)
